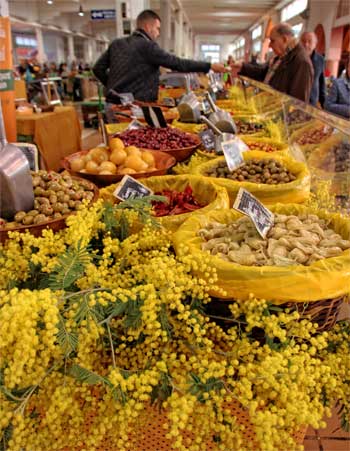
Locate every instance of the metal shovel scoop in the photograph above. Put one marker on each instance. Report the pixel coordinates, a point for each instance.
(189, 108)
(16, 187)
(220, 136)
(221, 119)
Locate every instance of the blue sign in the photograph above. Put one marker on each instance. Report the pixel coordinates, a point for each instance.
(103, 14)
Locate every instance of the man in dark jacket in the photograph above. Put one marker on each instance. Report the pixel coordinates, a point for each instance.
(132, 64)
(318, 92)
(290, 71)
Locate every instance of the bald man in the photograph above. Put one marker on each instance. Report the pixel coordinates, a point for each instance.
(318, 91)
(290, 71)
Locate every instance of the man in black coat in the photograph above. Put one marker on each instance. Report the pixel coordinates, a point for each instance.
(132, 64)
(318, 91)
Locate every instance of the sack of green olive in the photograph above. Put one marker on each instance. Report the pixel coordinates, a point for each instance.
(55, 196)
(305, 256)
(271, 180)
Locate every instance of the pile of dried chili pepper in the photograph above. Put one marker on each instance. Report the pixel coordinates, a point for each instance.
(179, 202)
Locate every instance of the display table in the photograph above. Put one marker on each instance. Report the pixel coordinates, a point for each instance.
(56, 134)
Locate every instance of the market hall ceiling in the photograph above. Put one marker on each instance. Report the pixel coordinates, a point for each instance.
(230, 17)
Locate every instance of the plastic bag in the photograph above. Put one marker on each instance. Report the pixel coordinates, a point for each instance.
(204, 191)
(188, 127)
(324, 279)
(297, 191)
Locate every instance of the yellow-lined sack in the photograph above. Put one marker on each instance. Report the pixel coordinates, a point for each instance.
(206, 193)
(309, 147)
(188, 127)
(280, 147)
(116, 128)
(294, 192)
(324, 279)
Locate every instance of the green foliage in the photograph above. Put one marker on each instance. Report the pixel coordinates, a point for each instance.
(86, 312)
(198, 388)
(163, 319)
(6, 437)
(162, 391)
(70, 267)
(67, 340)
(133, 314)
(143, 207)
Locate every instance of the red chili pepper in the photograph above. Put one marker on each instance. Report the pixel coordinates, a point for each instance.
(178, 202)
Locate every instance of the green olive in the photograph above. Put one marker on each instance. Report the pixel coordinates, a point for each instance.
(19, 216)
(53, 198)
(57, 207)
(33, 213)
(71, 204)
(36, 180)
(40, 218)
(38, 191)
(54, 186)
(28, 219)
(65, 211)
(57, 215)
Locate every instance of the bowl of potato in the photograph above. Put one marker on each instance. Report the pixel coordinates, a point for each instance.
(106, 165)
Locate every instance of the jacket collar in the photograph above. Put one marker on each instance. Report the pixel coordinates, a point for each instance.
(142, 33)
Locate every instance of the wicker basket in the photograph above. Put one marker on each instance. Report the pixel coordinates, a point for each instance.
(150, 435)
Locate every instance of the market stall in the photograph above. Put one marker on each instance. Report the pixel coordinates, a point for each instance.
(183, 312)
(57, 134)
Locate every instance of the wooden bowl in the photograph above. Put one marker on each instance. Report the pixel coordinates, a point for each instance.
(36, 229)
(163, 160)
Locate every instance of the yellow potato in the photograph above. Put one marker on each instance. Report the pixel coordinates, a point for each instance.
(116, 144)
(118, 156)
(91, 167)
(107, 166)
(136, 163)
(77, 164)
(127, 171)
(148, 158)
(99, 154)
(133, 150)
(106, 173)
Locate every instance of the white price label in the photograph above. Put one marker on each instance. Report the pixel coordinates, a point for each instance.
(126, 98)
(130, 188)
(233, 150)
(208, 139)
(134, 125)
(249, 205)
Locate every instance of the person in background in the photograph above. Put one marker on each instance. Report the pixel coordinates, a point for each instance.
(230, 60)
(318, 91)
(132, 64)
(290, 71)
(254, 59)
(338, 99)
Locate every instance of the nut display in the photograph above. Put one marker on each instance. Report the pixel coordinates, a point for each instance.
(338, 158)
(248, 128)
(267, 171)
(263, 147)
(314, 135)
(297, 117)
(158, 138)
(55, 196)
(117, 159)
(293, 240)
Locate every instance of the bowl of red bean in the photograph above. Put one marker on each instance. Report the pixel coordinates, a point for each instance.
(175, 142)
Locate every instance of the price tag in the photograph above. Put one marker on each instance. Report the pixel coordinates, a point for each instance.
(168, 101)
(137, 111)
(208, 139)
(130, 188)
(206, 108)
(126, 98)
(233, 150)
(134, 125)
(30, 151)
(154, 116)
(249, 205)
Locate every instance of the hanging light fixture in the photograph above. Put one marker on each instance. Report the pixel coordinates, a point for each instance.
(81, 11)
(50, 2)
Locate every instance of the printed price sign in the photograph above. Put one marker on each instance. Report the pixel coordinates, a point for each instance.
(208, 139)
(137, 111)
(249, 205)
(168, 101)
(206, 106)
(233, 150)
(154, 116)
(130, 188)
(134, 125)
(126, 98)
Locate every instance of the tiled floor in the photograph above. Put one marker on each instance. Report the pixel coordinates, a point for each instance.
(332, 438)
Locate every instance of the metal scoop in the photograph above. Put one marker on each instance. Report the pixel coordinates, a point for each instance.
(220, 136)
(16, 187)
(221, 119)
(189, 108)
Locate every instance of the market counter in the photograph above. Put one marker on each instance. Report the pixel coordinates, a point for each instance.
(56, 134)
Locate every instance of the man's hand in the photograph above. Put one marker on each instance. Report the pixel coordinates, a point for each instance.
(235, 68)
(217, 67)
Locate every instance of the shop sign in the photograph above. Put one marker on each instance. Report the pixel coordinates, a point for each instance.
(250, 206)
(103, 14)
(6, 80)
